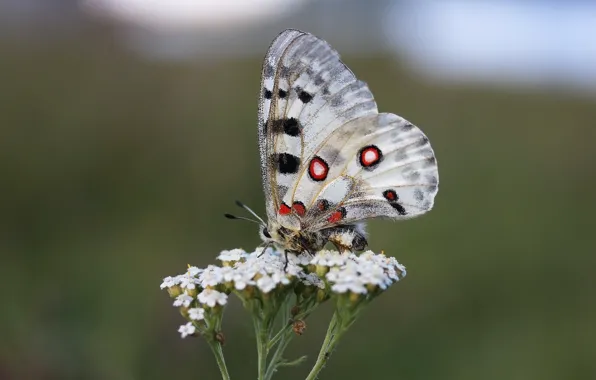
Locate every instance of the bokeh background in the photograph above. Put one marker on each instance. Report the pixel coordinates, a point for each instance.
(127, 128)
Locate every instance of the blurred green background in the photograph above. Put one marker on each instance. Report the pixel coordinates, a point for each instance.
(116, 172)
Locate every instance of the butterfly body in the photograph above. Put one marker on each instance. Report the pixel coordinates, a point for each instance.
(329, 159)
(345, 238)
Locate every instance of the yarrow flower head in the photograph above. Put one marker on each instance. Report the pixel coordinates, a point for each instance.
(186, 330)
(269, 284)
(313, 279)
(196, 314)
(232, 255)
(210, 297)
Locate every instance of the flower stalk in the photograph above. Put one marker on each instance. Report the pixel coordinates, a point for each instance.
(219, 358)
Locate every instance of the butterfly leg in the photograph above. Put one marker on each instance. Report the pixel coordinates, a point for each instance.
(286, 264)
(267, 245)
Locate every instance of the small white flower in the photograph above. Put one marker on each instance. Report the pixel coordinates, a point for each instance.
(186, 330)
(183, 300)
(329, 259)
(301, 259)
(334, 274)
(242, 280)
(211, 276)
(352, 286)
(280, 278)
(232, 255)
(211, 297)
(194, 271)
(311, 279)
(375, 275)
(266, 284)
(227, 273)
(170, 281)
(188, 282)
(196, 313)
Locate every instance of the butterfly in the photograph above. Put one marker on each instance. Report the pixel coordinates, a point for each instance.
(329, 159)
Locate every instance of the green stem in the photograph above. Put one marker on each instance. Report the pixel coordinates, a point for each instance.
(262, 336)
(284, 340)
(285, 326)
(278, 337)
(334, 333)
(219, 357)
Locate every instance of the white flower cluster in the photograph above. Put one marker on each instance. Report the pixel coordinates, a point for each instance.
(329, 271)
(357, 274)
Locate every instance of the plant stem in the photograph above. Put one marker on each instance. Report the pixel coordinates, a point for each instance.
(277, 337)
(262, 336)
(334, 332)
(284, 340)
(219, 357)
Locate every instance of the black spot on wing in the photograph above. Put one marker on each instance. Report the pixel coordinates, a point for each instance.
(267, 93)
(286, 163)
(393, 200)
(400, 209)
(290, 126)
(304, 96)
(282, 93)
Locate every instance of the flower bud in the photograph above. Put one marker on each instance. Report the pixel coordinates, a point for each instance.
(174, 291)
(298, 327)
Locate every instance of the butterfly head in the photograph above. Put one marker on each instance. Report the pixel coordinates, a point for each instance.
(280, 237)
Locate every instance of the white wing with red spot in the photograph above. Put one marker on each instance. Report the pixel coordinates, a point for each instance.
(307, 93)
(385, 169)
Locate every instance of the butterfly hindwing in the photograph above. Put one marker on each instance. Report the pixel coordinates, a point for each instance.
(382, 166)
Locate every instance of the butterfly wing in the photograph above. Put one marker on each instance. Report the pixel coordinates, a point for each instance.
(307, 93)
(328, 157)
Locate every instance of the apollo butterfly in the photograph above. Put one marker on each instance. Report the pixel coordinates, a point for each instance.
(329, 159)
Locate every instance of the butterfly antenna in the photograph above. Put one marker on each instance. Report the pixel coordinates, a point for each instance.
(230, 216)
(242, 205)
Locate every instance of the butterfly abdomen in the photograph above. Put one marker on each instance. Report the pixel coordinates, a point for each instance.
(347, 237)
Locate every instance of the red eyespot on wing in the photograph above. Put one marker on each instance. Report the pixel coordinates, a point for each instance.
(338, 215)
(299, 208)
(390, 195)
(370, 155)
(284, 209)
(323, 205)
(318, 169)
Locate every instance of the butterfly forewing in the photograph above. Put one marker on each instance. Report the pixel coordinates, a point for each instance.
(327, 156)
(307, 93)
